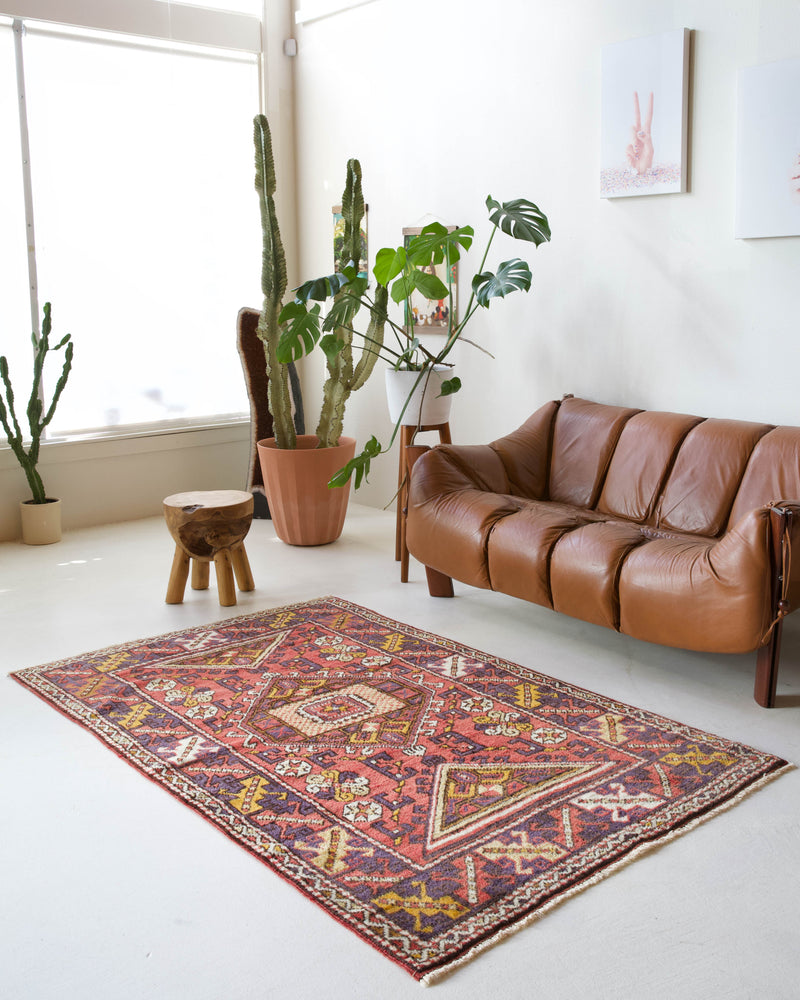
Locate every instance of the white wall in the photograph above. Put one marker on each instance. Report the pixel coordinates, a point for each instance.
(646, 302)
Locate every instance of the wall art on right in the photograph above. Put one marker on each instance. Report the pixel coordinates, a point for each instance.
(768, 151)
(644, 115)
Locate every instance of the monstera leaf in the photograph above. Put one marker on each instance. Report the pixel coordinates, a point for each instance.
(331, 345)
(358, 465)
(320, 289)
(512, 275)
(519, 218)
(435, 243)
(450, 386)
(301, 333)
(345, 305)
(430, 285)
(388, 264)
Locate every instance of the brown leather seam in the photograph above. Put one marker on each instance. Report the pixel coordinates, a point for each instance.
(598, 492)
(655, 508)
(617, 604)
(495, 521)
(549, 558)
(550, 441)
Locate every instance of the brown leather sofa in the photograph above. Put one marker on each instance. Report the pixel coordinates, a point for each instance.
(670, 528)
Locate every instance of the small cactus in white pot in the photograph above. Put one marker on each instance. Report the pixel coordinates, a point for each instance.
(26, 444)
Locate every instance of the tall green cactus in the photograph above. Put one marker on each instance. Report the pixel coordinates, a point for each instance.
(343, 378)
(38, 418)
(273, 287)
(343, 375)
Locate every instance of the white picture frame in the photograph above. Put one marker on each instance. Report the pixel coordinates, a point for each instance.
(768, 151)
(645, 116)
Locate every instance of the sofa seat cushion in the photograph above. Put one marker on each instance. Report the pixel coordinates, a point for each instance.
(452, 531)
(584, 570)
(520, 546)
(699, 593)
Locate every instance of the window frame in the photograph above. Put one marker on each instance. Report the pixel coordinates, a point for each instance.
(157, 21)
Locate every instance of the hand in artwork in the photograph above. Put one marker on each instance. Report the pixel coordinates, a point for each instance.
(640, 150)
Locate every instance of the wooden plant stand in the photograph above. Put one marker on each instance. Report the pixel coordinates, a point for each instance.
(407, 432)
(209, 527)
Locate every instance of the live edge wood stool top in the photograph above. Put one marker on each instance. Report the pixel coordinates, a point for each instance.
(209, 526)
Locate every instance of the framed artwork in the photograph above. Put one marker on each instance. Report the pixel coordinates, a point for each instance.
(768, 151)
(644, 115)
(338, 241)
(429, 315)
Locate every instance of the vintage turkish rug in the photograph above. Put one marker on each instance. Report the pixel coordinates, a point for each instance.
(431, 797)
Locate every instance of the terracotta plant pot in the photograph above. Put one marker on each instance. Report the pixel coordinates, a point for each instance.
(41, 522)
(304, 510)
(426, 407)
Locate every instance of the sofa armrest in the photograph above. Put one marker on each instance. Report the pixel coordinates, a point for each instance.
(774, 532)
(456, 494)
(785, 542)
(450, 468)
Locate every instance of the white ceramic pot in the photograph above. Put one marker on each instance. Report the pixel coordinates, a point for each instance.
(426, 407)
(41, 522)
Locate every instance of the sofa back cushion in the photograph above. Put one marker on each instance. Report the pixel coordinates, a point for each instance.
(702, 486)
(584, 438)
(641, 462)
(670, 471)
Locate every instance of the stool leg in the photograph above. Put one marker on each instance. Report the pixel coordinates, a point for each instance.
(241, 567)
(200, 568)
(227, 591)
(178, 576)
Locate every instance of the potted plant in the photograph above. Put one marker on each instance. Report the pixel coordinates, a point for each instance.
(41, 515)
(398, 272)
(297, 467)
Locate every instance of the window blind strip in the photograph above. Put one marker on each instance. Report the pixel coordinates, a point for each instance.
(91, 36)
(27, 184)
(175, 22)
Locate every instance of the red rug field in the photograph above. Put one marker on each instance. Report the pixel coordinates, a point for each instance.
(431, 797)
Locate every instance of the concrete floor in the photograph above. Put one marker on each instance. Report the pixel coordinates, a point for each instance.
(112, 889)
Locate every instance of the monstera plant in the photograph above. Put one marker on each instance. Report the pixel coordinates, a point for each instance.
(398, 272)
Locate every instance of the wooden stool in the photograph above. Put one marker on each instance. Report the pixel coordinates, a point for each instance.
(209, 527)
(407, 432)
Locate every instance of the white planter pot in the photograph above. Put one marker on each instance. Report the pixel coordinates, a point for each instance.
(426, 407)
(41, 522)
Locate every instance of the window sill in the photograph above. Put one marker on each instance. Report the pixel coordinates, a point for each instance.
(135, 441)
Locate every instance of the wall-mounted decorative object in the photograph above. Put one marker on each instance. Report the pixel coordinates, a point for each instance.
(645, 114)
(430, 315)
(338, 241)
(768, 153)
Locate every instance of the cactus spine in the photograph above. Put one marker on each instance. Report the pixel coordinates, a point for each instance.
(38, 419)
(273, 286)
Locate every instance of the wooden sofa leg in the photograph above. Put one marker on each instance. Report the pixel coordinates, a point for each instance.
(767, 664)
(439, 585)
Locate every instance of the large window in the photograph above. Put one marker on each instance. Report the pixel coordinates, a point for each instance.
(146, 222)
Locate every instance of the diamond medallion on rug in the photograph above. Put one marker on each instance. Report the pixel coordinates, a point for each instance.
(431, 797)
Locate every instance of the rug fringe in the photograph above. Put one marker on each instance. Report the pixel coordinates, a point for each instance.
(437, 975)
